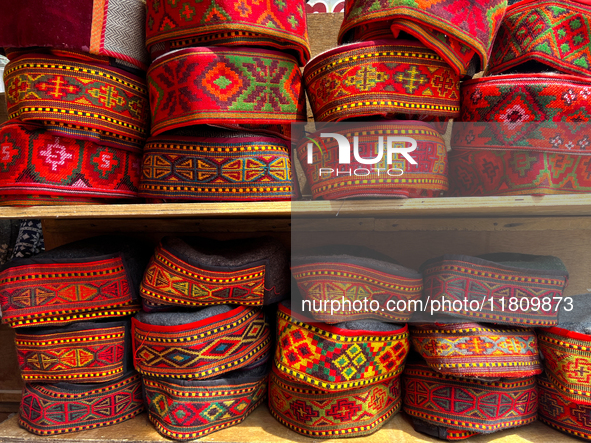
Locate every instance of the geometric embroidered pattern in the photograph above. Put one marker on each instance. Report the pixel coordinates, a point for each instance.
(472, 350)
(567, 359)
(455, 30)
(458, 277)
(336, 359)
(91, 355)
(221, 85)
(563, 413)
(48, 409)
(186, 412)
(382, 78)
(217, 169)
(466, 404)
(33, 160)
(326, 414)
(325, 281)
(530, 112)
(65, 292)
(172, 281)
(427, 178)
(555, 33)
(479, 172)
(203, 349)
(269, 23)
(78, 99)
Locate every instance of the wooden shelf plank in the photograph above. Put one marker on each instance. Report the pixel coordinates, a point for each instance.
(549, 205)
(261, 427)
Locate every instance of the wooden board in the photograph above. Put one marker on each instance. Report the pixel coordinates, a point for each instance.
(261, 427)
(3, 112)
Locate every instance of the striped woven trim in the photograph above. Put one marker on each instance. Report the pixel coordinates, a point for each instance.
(49, 409)
(469, 405)
(473, 350)
(186, 412)
(203, 349)
(78, 99)
(325, 414)
(65, 291)
(332, 358)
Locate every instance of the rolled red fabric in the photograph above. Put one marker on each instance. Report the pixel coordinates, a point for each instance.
(280, 25)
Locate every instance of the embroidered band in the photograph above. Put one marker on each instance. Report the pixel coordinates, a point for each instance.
(474, 350)
(494, 173)
(85, 352)
(331, 180)
(325, 414)
(35, 161)
(390, 78)
(280, 25)
(48, 409)
(113, 28)
(188, 409)
(201, 349)
(563, 413)
(46, 200)
(361, 280)
(469, 405)
(201, 272)
(218, 166)
(567, 359)
(225, 87)
(456, 32)
(84, 280)
(337, 359)
(530, 112)
(78, 99)
(497, 284)
(555, 33)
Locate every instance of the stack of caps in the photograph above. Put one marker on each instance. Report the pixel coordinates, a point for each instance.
(525, 131)
(401, 69)
(71, 308)
(230, 65)
(205, 368)
(565, 389)
(77, 101)
(478, 378)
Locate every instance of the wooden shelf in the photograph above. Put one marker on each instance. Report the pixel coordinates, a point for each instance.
(549, 205)
(261, 427)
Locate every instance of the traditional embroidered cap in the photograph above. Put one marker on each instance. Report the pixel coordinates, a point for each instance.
(200, 344)
(206, 164)
(476, 350)
(47, 200)
(189, 409)
(567, 352)
(282, 26)
(87, 279)
(495, 173)
(359, 276)
(331, 180)
(327, 414)
(106, 28)
(562, 412)
(468, 405)
(546, 113)
(550, 32)
(337, 358)
(48, 409)
(389, 78)
(38, 162)
(84, 352)
(199, 272)
(228, 87)
(80, 99)
(483, 287)
(439, 431)
(456, 33)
